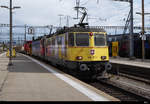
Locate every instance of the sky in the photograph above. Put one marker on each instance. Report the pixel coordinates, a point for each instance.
(46, 12)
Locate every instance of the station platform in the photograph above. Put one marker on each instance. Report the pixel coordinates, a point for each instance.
(127, 61)
(31, 80)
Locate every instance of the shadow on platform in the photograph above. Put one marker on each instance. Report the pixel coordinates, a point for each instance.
(22, 64)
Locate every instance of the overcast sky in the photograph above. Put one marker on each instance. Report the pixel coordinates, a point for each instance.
(45, 12)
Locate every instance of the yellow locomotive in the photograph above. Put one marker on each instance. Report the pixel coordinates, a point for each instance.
(83, 51)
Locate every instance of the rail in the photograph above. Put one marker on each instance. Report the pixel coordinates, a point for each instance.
(130, 85)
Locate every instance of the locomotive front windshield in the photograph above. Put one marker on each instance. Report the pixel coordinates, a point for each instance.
(82, 39)
(100, 39)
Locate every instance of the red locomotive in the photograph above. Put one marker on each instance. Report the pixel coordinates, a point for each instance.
(28, 47)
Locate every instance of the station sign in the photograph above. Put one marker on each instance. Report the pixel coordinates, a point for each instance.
(143, 37)
(30, 30)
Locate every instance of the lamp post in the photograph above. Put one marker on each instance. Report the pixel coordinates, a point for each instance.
(143, 47)
(25, 33)
(143, 30)
(10, 43)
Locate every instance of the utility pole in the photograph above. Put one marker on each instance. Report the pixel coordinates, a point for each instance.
(143, 37)
(10, 15)
(10, 46)
(131, 31)
(25, 33)
(18, 41)
(143, 46)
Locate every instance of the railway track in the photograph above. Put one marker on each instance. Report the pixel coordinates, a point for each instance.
(141, 73)
(131, 85)
(134, 77)
(116, 92)
(122, 88)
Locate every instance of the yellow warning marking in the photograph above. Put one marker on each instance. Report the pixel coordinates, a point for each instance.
(13, 53)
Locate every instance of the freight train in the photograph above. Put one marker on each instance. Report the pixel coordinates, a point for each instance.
(80, 50)
(124, 45)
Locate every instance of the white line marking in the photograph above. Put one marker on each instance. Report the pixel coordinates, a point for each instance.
(92, 95)
(2, 54)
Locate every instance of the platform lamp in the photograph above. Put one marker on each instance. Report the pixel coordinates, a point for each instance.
(10, 43)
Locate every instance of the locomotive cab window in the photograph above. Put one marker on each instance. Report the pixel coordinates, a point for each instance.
(100, 40)
(71, 39)
(59, 40)
(82, 39)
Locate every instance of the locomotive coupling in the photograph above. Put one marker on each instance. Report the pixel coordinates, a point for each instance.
(84, 67)
(108, 66)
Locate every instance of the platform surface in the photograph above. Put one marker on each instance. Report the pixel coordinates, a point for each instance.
(31, 80)
(127, 61)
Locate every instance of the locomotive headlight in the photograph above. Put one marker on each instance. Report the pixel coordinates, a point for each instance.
(79, 57)
(103, 57)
